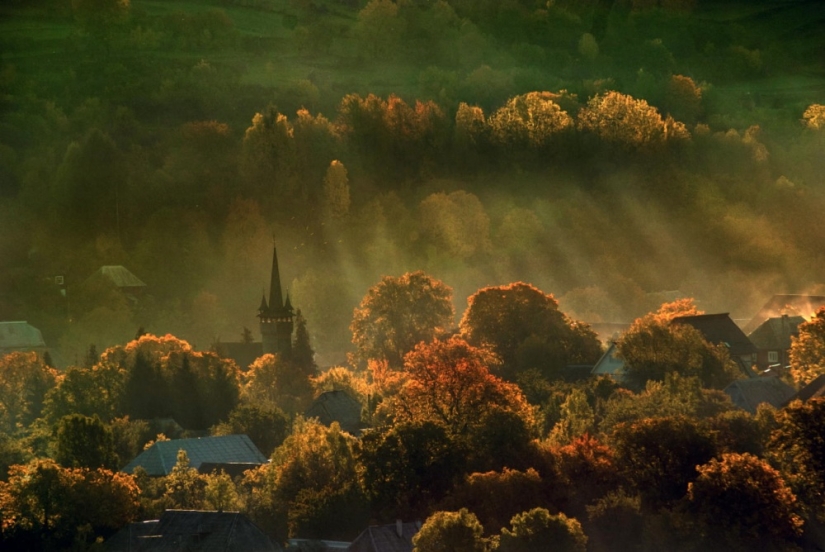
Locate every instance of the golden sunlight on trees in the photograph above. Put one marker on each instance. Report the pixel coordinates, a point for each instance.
(534, 530)
(807, 354)
(797, 446)
(267, 157)
(741, 501)
(531, 120)
(24, 381)
(451, 532)
(814, 117)
(526, 329)
(398, 313)
(449, 382)
(653, 348)
(627, 123)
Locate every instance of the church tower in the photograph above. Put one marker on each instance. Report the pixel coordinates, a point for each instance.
(276, 317)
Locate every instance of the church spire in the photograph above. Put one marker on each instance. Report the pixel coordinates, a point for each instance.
(276, 298)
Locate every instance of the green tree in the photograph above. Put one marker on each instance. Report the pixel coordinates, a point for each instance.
(408, 468)
(267, 426)
(451, 532)
(398, 313)
(533, 530)
(96, 391)
(741, 501)
(379, 28)
(84, 442)
(659, 457)
(456, 224)
(526, 329)
(577, 418)
(220, 493)
(336, 200)
(807, 354)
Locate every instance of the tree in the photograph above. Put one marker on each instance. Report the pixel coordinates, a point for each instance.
(814, 117)
(336, 200)
(741, 501)
(587, 470)
(84, 442)
(398, 313)
(533, 530)
(456, 223)
(659, 457)
(532, 120)
(267, 426)
(220, 493)
(24, 382)
(96, 391)
(577, 418)
(451, 532)
(408, 468)
(185, 487)
(379, 28)
(807, 354)
(266, 162)
(526, 329)
(797, 446)
(653, 348)
(624, 122)
(449, 383)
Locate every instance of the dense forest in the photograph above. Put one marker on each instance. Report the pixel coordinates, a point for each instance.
(616, 154)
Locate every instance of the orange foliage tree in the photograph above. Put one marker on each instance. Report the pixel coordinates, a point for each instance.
(24, 381)
(449, 382)
(808, 349)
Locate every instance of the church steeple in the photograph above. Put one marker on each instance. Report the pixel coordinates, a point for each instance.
(277, 316)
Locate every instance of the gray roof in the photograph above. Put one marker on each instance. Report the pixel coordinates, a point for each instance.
(192, 530)
(610, 364)
(748, 394)
(775, 333)
(720, 329)
(119, 276)
(396, 537)
(803, 305)
(160, 458)
(337, 406)
(20, 336)
(813, 390)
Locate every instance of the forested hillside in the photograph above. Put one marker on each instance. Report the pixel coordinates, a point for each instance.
(606, 152)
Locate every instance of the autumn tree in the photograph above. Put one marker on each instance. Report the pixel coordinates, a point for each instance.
(185, 487)
(336, 198)
(741, 501)
(807, 354)
(526, 329)
(653, 348)
(587, 470)
(627, 123)
(267, 155)
(531, 121)
(398, 313)
(450, 383)
(266, 425)
(533, 530)
(96, 391)
(797, 446)
(451, 532)
(814, 117)
(24, 381)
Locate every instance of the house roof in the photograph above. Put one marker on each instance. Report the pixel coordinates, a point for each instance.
(610, 364)
(336, 406)
(748, 394)
(20, 336)
(720, 329)
(232, 469)
(396, 537)
(793, 305)
(119, 276)
(814, 389)
(192, 530)
(775, 333)
(160, 458)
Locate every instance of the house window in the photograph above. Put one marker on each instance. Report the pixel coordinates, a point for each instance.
(773, 356)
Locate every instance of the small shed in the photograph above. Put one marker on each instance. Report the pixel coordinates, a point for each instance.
(161, 457)
(193, 531)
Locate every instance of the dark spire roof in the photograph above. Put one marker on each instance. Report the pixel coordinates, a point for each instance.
(263, 307)
(288, 303)
(276, 298)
